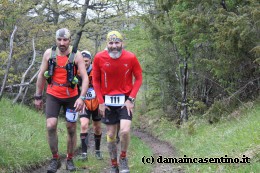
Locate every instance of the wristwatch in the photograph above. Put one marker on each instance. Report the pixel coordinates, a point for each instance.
(37, 97)
(131, 99)
(82, 97)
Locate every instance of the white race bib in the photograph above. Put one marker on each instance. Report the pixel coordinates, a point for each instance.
(91, 94)
(115, 100)
(71, 115)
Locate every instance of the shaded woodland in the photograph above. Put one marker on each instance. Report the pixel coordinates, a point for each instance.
(198, 58)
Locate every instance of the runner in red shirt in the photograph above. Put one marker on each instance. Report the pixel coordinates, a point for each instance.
(61, 93)
(117, 77)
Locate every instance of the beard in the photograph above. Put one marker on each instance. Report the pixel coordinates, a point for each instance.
(63, 48)
(115, 55)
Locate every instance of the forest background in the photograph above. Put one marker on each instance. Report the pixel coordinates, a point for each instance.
(196, 57)
(199, 59)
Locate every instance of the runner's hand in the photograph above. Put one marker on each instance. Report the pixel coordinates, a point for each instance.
(129, 106)
(102, 108)
(83, 111)
(79, 105)
(38, 104)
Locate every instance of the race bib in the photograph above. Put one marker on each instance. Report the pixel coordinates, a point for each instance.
(71, 115)
(115, 100)
(91, 94)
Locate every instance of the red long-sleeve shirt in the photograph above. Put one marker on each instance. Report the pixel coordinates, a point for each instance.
(115, 76)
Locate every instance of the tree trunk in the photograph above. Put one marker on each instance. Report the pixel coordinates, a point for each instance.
(9, 62)
(82, 24)
(184, 104)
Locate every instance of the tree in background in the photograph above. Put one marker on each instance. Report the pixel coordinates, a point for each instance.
(217, 45)
(193, 54)
(40, 20)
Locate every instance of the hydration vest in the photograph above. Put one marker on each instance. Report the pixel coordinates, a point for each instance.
(71, 72)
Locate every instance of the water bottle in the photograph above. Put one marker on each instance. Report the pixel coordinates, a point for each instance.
(70, 75)
(51, 67)
(46, 74)
(75, 80)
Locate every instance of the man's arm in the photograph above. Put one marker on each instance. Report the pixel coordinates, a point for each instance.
(137, 72)
(40, 83)
(83, 74)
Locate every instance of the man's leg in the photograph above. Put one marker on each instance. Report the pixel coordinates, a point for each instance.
(52, 110)
(68, 104)
(124, 140)
(71, 144)
(112, 148)
(51, 125)
(84, 122)
(125, 126)
(97, 136)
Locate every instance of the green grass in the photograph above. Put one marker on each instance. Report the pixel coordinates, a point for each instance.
(23, 142)
(23, 137)
(233, 137)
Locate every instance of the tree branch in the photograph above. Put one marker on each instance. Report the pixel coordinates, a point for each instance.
(9, 62)
(26, 72)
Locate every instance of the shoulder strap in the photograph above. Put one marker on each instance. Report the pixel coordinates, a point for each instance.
(89, 69)
(53, 52)
(72, 54)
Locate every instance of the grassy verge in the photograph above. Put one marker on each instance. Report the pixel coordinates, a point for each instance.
(233, 137)
(23, 142)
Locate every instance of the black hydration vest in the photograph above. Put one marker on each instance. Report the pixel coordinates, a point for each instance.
(71, 72)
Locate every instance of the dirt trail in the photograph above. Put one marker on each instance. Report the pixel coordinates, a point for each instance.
(159, 148)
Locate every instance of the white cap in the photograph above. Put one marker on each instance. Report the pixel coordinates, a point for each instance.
(86, 54)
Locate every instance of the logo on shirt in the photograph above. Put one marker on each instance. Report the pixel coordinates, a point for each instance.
(107, 64)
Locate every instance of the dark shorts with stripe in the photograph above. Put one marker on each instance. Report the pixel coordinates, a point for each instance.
(88, 114)
(54, 104)
(115, 114)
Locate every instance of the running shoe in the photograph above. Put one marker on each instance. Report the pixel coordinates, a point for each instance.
(114, 169)
(70, 165)
(54, 165)
(99, 155)
(123, 164)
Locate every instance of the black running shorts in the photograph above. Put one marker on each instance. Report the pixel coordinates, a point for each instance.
(54, 104)
(115, 114)
(87, 114)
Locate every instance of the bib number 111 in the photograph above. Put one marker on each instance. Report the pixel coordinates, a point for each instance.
(116, 100)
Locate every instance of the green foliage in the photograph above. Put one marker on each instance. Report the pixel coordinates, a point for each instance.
(220, 47)
(218, 110)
